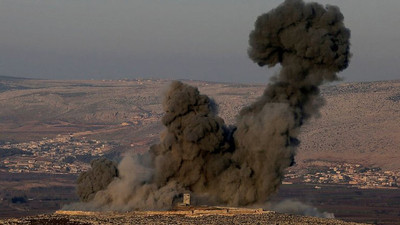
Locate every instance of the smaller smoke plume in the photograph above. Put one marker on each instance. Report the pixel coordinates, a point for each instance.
(133, 189)
(299, 208)
(97, 178)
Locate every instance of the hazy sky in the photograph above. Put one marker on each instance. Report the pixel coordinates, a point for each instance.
(181, 39)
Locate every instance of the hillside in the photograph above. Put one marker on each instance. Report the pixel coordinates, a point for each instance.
(175, 217)
(359, 122)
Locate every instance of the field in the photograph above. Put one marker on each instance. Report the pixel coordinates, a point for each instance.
(48, 193)
(31, 194)
(377, 206)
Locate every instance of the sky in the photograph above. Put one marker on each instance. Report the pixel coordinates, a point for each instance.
(173, 39)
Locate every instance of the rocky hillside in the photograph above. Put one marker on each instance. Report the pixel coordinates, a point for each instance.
(360, 122)
(175, 218)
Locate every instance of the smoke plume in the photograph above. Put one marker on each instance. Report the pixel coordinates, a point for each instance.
(311, 43)
(101, 174)
(243, 164)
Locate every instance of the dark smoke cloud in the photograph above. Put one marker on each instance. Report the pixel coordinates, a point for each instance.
(102, 172)
(312, 44)
(192, 147)
(243, 164)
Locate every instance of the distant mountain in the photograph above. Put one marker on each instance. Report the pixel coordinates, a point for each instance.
(13, 78)
(359, 122)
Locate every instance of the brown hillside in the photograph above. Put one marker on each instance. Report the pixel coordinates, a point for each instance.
(359, 123)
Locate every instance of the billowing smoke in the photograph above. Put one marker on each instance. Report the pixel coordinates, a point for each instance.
(311, 43)
(243, 164)
(102, 172)
(194, 151)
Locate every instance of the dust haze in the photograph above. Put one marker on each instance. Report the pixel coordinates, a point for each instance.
(298, 208)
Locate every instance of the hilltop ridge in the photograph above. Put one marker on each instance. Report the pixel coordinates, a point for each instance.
(202, 217)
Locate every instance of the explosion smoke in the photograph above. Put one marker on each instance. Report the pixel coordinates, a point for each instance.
(239, 165)
(312, 44)
(101, 174)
